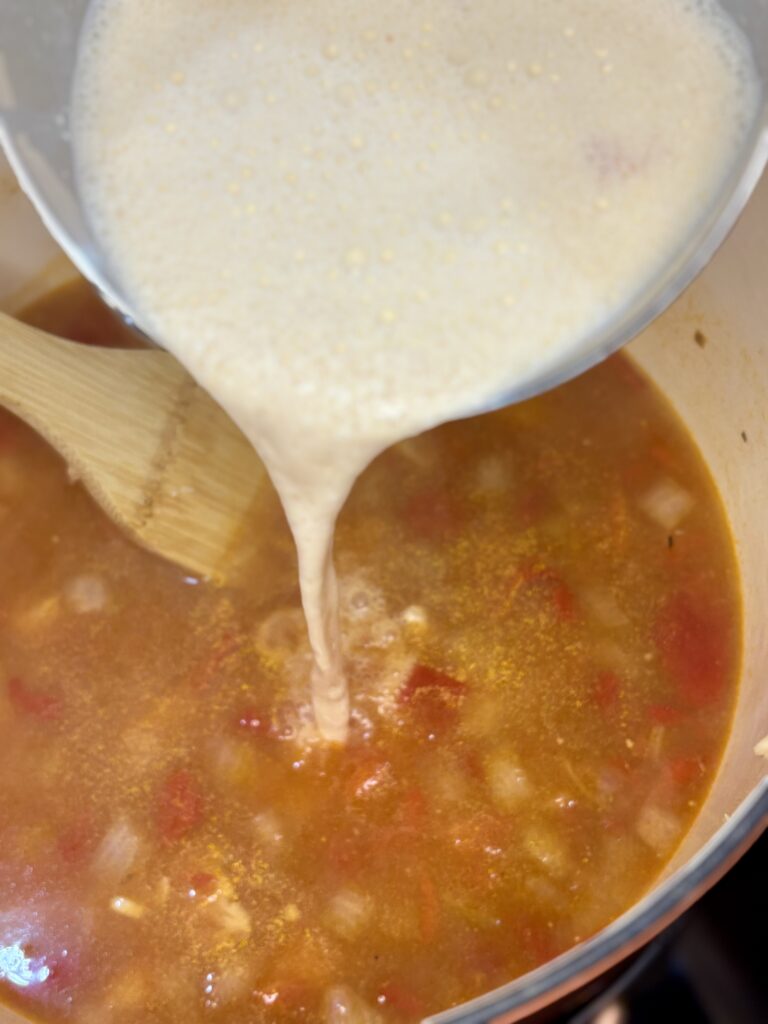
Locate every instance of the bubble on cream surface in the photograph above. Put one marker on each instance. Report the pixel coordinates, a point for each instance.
(354, 221)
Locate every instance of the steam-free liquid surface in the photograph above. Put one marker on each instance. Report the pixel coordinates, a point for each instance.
(353, 221)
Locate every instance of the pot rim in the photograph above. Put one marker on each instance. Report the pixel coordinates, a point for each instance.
(626, 934)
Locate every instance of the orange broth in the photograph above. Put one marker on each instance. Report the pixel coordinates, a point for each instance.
(542, 623)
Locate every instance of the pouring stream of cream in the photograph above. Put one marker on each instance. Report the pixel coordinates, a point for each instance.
(355, 221)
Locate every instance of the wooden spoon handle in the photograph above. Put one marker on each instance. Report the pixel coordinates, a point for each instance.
(62, 388)
(105, 410)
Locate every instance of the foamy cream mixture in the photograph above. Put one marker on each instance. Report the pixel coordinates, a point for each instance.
(352, 221)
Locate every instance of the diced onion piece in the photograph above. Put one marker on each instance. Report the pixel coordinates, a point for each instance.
(129, 991)
(381, 633)
(614, 656)
(544, 846)
(656, 741)
(415, 616)
(291, 913)
(604, 607)
(142, 745)
(349, 911)
(268, 828)
(481, 717)
(445, 781)
(343, 1006)
(128, 908)
(86, 594)
(761, 748)
(609, 780)
(543, 889)
(37, 615)
(116, 853)
(226, 757)
(230, 984)
(492, 475)
(658, 828)
(507, 781)
(667, 503)
(231, 916)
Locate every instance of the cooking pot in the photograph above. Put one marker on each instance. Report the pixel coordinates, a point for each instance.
(709, 354)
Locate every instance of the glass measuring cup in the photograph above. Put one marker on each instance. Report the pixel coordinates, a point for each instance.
(38, 52)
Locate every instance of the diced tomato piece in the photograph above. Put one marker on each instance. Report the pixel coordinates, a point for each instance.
(398, 997)
(472, 763)
(33, 703)
(637, 473)
(367, 776)
(180, 805)
(203, 883)
(665, 714)
(563, 601)
(685, 770)
(423, 678)
(434, 697)
(433, 514)
(63, 973)
(693, 640)
(537, 939)
(606, 690)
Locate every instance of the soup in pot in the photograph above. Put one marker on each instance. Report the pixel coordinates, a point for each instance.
(541, 621)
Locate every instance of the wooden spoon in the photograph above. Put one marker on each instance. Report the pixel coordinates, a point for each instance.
(153, 448)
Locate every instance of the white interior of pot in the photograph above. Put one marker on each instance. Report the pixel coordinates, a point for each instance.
(721, 392)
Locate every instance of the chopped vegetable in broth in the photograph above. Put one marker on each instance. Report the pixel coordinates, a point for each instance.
(541, 616)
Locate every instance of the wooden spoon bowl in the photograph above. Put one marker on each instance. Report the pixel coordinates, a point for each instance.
(156, 452)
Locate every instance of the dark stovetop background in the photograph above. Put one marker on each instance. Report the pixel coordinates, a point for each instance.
(714, 967)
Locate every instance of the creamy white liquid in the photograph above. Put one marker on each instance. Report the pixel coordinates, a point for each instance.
(352, 221)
